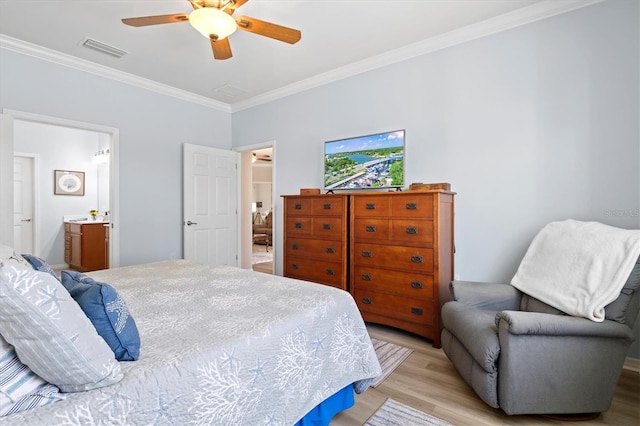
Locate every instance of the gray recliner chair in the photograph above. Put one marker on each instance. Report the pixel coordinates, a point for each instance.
(526, 357)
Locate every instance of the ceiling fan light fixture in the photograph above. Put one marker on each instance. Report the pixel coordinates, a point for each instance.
(209, 20)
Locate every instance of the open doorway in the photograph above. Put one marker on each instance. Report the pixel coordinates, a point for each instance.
(34, 135)
(262, 210)
(258, 248)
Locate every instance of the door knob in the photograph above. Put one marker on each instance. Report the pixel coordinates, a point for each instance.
(25, 220)
(189, 223)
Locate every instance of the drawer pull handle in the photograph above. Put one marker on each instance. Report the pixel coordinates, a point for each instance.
(412, 230)
(370, 228)
(298, 225)
(370, 206)
(330, 250)
(294, 266)
(416, 259)
(416, 284)
(367, 300)
(326, 226)
(366, 277)
(327, 206)
(416, 311)
(412, 206)
(294, 247)
(366, 254)
(329, 271)
(298, 207)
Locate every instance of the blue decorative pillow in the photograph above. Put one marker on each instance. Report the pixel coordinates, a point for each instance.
(108, 313)
(39, 264)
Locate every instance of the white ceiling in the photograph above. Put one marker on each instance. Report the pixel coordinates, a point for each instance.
(339, 38)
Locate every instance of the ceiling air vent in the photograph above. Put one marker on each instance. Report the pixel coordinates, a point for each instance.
(104, 48)
(229, 90)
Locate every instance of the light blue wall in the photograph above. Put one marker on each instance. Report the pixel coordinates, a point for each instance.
(152, 127)
(530, 125)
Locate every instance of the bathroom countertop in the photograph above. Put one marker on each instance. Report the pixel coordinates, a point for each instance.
(85, 221)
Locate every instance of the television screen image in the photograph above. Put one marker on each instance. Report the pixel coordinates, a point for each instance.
(365, 162)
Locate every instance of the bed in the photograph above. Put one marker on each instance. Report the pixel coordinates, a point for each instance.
(225, 346)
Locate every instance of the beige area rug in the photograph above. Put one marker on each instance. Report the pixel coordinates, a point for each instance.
(390, 357)
(394, 413)
(261, 255)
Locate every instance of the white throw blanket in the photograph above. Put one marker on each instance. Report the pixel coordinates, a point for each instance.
(578, 267)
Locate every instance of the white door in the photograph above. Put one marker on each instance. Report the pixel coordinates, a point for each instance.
(23, 204)
(210, 205)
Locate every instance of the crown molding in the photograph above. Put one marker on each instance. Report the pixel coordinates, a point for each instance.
(39, 52)
(519, 17)
(516, 18)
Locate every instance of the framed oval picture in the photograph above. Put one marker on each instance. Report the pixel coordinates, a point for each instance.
(67, 182)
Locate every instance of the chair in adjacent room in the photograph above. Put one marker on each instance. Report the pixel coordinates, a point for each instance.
(526, 356)
(263, 232)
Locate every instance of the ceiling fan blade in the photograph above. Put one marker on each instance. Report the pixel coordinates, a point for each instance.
(233, 5)
(221, 49)
(143, 21)
(267, 29)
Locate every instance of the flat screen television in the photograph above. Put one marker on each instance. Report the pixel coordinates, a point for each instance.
(365, 162)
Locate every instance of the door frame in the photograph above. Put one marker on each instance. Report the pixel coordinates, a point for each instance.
(35, 176)
(245, 188)
(114, 167)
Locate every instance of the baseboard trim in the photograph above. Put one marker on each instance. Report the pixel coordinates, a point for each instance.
(632, 364)
(60, 266)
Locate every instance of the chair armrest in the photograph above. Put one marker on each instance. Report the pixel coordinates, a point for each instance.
(536, 323)
(486, 296)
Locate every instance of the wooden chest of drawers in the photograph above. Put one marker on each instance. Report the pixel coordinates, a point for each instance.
(86, 246)
(401, 258)
(316, 238)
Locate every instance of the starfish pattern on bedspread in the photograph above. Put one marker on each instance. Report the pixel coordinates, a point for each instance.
(224, 346)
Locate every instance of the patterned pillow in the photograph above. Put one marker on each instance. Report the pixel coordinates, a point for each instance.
(108, 313)
(21, 388)
(39, 264)
(50, 332)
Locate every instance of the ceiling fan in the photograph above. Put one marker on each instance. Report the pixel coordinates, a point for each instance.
(212, 18)
(260, 157)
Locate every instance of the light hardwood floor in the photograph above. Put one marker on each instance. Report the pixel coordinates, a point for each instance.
(429, 382)
(264, 267)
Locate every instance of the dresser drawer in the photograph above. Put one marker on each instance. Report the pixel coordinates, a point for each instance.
(371, 229)
(299, 206)
(299, 226)
(321, 271)
(329, 206)
(397, 307)
(412, 231)
(403, 283)
(315, 249)
(412, 205)
(329, 227)
(417, 259)
(371, 206)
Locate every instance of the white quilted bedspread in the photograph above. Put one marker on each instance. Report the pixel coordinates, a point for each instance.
(223, 346)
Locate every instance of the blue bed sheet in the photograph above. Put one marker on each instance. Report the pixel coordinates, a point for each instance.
(322, 413)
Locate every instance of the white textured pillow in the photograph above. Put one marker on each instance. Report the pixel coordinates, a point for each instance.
(50, 332)
(8, 255)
